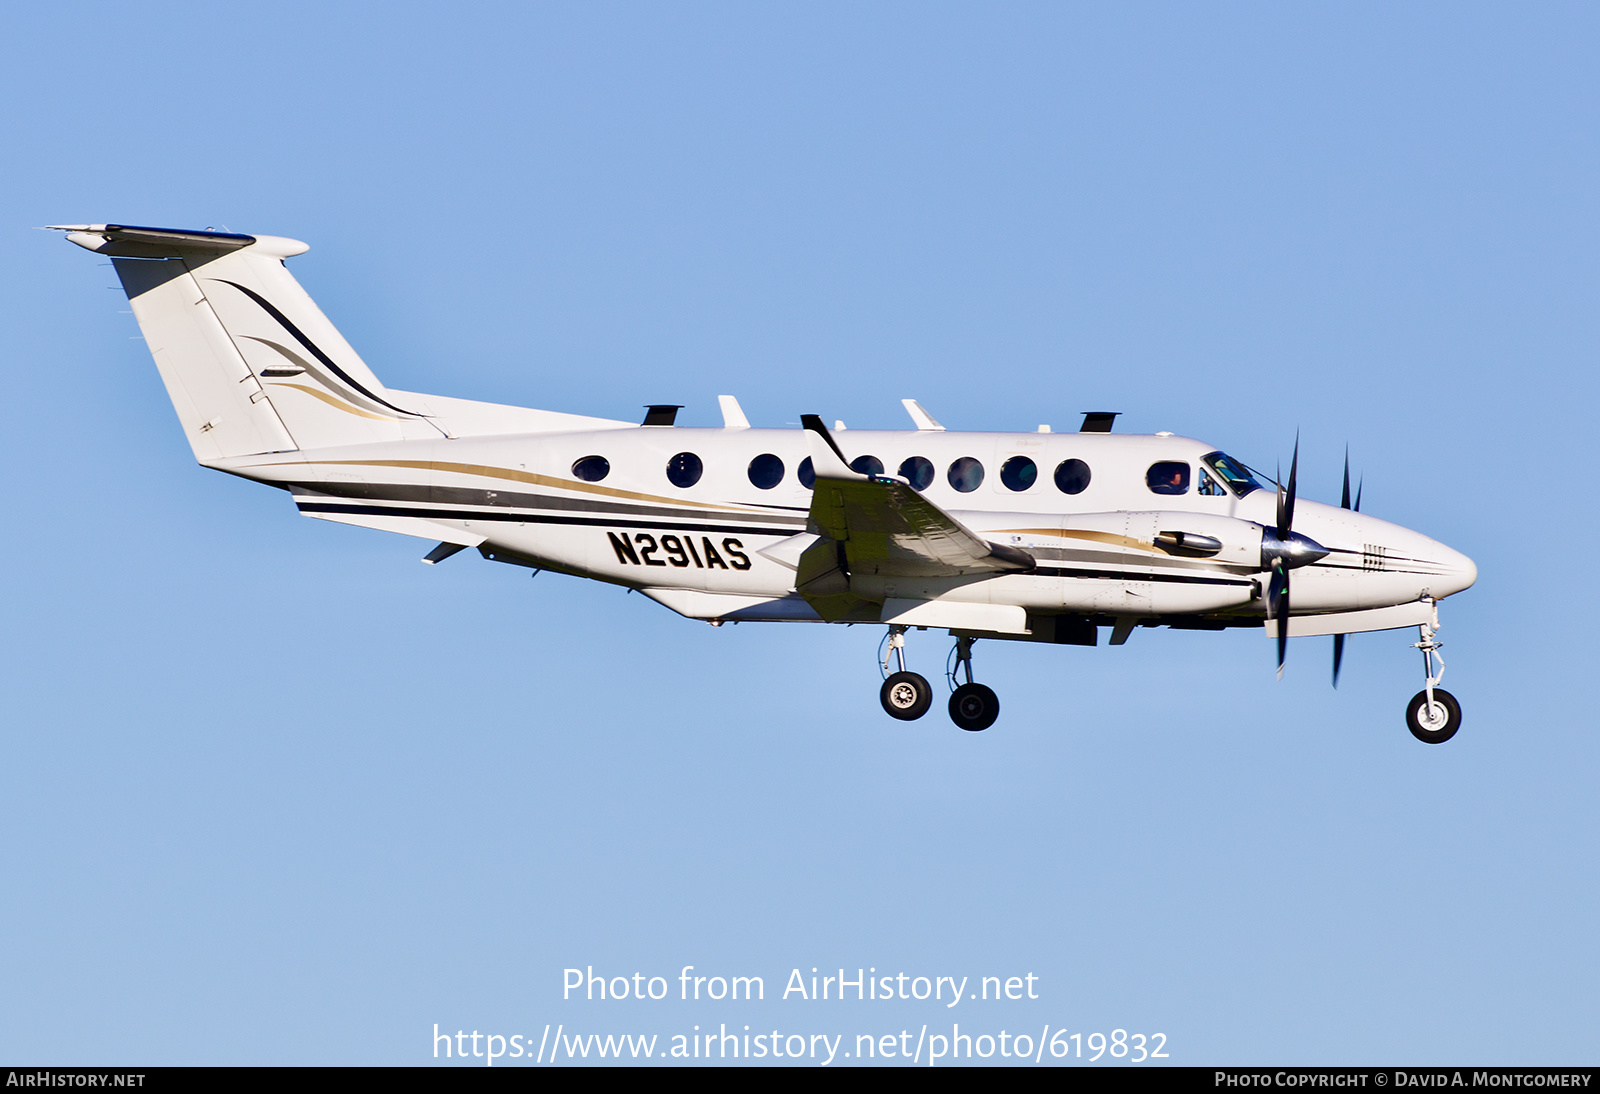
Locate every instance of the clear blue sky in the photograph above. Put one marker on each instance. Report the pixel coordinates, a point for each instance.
(277, 793)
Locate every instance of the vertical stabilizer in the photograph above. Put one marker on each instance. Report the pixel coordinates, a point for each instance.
(250, 362)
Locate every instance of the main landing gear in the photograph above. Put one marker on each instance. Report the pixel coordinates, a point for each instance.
(972, 706)
(907, 696)
(904, 695)
(1433, 715)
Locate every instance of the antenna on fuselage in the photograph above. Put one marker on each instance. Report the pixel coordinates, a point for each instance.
(921, 418)
(732, 413)
(1098, 421)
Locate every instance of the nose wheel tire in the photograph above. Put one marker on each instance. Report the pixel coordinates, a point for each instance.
(1437, 724)
(974, 707)
(906, 696)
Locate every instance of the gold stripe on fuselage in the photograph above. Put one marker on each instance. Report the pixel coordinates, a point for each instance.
(485, 471)
(1073, 533)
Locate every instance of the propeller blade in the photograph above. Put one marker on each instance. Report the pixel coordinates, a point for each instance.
(1286, 509)
(1344, 498)
(1359, 485)
(1278, 479)
(1278, 604)
(1278, 588)
(1338, 656)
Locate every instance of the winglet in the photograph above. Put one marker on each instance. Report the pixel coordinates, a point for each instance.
(921, 417)
(826, 459)
(732, 413)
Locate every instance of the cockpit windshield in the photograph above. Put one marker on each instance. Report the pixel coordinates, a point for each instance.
(1232, 472)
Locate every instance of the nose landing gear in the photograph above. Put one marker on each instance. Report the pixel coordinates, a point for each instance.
(904, 695)
(1433, 715)
(973, 707)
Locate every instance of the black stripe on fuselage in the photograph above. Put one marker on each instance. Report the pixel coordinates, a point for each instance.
(1091, 556)
(1135, 577)
(456, 495)
(532, 518)
(1439, 571)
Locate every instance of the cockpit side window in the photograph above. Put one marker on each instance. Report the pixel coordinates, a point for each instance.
(1232, 472)
(1168, 477)
(1210, 487)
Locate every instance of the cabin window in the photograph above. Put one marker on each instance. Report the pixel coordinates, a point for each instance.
(1232, 472)
(1168, 477)
(684, 470)
(1210, 487)
(966, 474)
(867, 465)
(918, 472)
(806, 473)
(1072, 477)
(1019, 473)
(591, 468)
(766, 471)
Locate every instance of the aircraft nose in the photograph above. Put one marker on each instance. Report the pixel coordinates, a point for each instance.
(1431, 568)
(1457, 571)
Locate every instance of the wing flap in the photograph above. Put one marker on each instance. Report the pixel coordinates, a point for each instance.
(887, 528)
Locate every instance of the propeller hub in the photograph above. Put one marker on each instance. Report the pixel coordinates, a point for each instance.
(1289, 552)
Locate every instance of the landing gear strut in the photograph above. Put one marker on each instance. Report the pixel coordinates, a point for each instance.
(1433, 715)
(904, 695)
(973, 707)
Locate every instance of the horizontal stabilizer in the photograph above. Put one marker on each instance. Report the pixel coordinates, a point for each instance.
(131, 241)
(733, 608)
(324, 508)
(444, 551)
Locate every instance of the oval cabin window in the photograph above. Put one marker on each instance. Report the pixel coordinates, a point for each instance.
(684, 470)
(1072, 477)
(766, 471)
(1019, 473)
(966, 474)
(918, 472)
(591, 468)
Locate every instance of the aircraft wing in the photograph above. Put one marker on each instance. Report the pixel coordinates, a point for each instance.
(885, 527)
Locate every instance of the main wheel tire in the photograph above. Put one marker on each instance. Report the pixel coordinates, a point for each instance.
(1445, 717)
(906, 696)
(974, 707)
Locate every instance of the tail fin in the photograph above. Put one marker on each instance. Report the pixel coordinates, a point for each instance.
(249, 361)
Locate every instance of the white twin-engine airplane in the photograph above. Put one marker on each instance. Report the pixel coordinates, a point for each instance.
(1038, 537)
